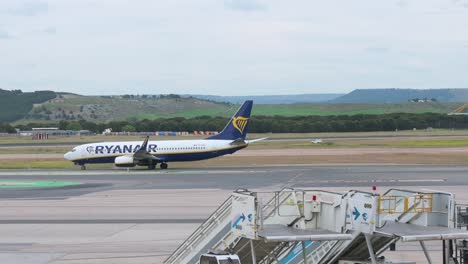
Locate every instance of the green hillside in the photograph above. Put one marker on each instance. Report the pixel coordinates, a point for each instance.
(101, 109)
(394, 95)
(104, 109)
(48, 106)
(16, 104)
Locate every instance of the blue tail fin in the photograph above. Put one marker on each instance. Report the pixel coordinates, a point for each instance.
(238, 125)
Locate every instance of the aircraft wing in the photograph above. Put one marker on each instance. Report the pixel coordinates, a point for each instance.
(142, 153)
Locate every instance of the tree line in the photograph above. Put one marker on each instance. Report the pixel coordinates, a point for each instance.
(265, 124)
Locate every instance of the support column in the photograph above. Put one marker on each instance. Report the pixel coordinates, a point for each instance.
(444, 253)
(370, 248)
(447, 251)
(426, 253)
(304, 252)
(252, 249)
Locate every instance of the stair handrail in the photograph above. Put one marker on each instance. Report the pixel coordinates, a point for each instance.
(323, 244)
(186, 245)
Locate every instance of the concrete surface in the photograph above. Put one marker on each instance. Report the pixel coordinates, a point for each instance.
(141, 216)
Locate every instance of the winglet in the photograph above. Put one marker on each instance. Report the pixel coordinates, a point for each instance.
(144, 145)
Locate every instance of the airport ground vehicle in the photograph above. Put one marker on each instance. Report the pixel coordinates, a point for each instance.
(219, 258)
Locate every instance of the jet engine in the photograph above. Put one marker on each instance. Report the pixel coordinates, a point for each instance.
(124, 161)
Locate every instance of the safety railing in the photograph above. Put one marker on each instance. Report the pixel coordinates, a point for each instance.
(320, 252)
(272, 207)
(189, 244)
(419, 203)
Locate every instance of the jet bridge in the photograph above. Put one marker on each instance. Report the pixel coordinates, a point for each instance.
(315, 226)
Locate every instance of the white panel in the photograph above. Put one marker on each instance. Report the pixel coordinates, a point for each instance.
(244, 215)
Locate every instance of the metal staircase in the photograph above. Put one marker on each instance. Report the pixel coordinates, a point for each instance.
(205, 236)
(314, 226)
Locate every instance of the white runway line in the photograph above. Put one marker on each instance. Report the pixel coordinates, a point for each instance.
(379, 181)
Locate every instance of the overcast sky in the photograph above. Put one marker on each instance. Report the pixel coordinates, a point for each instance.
(232, 47)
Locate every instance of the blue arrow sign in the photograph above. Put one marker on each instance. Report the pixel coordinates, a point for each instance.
(240, 218)
(356, 213)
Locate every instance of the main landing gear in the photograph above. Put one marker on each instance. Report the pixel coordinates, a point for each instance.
(83, 167)
(152, 166)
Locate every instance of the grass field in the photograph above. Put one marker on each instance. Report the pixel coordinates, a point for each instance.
(286, 144)
(98, 138)
(216, 110)
(351, 109)
(35, 150)
(442, 139)
(313, 109)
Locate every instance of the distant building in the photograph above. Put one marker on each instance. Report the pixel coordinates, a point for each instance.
(40, 135)
(422, 100)
(44, 129)
(45, 132)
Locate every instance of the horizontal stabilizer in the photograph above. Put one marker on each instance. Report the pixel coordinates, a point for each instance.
(255, 140)
(238, 142)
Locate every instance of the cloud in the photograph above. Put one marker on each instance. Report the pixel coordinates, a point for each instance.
(4, 35)
(377, 49)
(244, 5)
(402, 3)
(50, 31)
(231, 46)
(30, 8)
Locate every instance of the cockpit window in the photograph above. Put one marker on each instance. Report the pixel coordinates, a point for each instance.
(73, 150)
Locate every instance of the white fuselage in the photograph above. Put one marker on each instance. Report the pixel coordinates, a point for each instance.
(164, 150)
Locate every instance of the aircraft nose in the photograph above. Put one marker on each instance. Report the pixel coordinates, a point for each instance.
(67, 156)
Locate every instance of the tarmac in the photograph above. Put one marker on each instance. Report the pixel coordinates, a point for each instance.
(139, 216)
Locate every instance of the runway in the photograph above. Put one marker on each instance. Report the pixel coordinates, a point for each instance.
(140, 216)
(231, 178)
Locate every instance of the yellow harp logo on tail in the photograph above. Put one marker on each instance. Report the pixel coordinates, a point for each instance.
(240, 122)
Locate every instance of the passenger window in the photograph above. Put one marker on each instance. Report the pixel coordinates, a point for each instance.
(208, 260)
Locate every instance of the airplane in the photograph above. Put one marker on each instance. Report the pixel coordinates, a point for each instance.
(150, 153)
